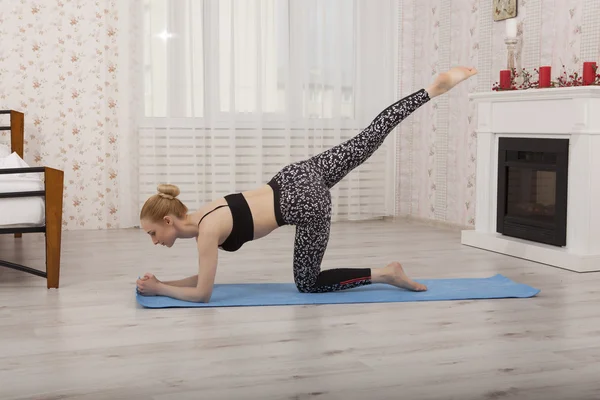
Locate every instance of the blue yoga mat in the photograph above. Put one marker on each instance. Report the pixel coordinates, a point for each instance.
(275, 294)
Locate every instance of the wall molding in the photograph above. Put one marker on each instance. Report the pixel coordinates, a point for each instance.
(590, 35)
(443, 115)
(532, 35)
(485, 64)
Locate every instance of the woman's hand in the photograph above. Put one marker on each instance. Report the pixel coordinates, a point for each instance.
(148, 285)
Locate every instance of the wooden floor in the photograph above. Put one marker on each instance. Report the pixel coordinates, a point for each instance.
(90, 340)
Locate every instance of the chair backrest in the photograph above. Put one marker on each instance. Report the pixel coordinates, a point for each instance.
(17, 130)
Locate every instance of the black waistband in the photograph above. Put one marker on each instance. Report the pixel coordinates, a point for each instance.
(276, 198)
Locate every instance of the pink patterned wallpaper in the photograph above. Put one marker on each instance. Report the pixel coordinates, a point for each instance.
(58, 63)
(560, 34)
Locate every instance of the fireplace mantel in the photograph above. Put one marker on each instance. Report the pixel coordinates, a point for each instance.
(566, 113)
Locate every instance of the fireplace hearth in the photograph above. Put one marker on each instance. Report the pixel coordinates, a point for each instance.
(532, 189)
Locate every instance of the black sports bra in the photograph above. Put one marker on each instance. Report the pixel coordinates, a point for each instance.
(243, 224)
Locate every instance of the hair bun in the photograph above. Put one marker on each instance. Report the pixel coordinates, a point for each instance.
(168, 191)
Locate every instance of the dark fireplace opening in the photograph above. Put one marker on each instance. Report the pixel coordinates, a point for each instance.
(532, 189)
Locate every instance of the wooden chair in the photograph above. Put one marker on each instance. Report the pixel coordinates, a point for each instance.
(53, 195)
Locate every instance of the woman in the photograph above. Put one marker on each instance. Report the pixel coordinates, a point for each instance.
(297, 195)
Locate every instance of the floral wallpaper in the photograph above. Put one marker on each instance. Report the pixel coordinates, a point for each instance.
(559, 25)
(58, 62)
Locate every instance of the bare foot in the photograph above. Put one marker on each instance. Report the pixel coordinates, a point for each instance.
(447, 80)
(398, 278)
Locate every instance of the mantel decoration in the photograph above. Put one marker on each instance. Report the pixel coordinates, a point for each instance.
(511, 79)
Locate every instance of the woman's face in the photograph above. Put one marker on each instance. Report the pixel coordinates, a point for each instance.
(162, 232)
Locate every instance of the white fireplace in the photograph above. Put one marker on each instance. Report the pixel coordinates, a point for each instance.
(555, 113)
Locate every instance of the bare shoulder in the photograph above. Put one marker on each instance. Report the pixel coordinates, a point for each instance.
(208, 211)
(208, 207)
(214, 224)
(211, 223)
(208, 237)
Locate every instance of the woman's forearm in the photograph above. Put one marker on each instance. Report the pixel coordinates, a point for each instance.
(192, 281)
(192, 294)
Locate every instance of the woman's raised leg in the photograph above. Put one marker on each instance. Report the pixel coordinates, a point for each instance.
(334, 164)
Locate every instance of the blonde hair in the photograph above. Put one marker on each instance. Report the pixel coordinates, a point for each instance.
(163, 203)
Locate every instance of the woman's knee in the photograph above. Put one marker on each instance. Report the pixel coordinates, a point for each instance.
(305, 281)
(306, 287)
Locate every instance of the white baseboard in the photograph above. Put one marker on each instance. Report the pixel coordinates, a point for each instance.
(537, 252)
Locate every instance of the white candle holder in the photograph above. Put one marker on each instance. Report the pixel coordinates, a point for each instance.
(511, 45)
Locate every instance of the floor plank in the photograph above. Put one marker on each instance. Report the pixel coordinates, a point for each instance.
(90, 339)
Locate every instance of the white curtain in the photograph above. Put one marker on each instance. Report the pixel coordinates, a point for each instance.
(236, 89)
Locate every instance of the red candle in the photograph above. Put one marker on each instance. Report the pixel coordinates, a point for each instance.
(505, 79)
(589, 72)
(545, 77)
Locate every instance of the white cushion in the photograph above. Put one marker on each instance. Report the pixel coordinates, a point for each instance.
(20, 212)
(14, 161)
(24, 211)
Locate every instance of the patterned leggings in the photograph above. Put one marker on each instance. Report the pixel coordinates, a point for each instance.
(302, 198)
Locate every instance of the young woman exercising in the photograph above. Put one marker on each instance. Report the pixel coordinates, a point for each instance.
(297, 195)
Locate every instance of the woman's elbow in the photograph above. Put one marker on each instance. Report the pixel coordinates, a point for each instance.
(202, 297)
